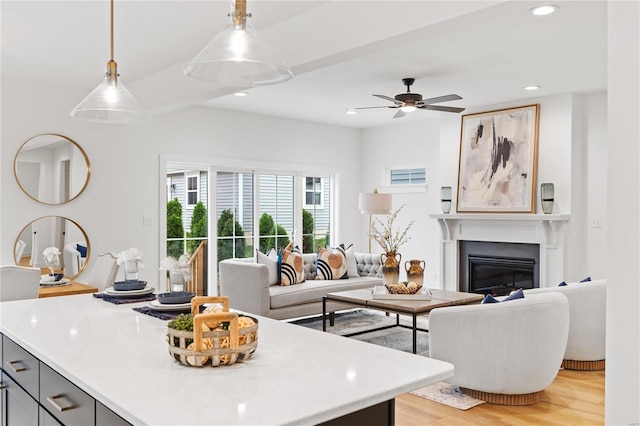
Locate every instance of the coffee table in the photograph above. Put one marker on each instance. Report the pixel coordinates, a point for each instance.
(364, 298)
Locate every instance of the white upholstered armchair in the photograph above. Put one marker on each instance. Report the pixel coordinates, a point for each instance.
(504, 353)
(587, 323)
(19, 282)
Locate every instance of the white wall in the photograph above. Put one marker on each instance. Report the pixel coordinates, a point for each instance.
(126, 182)
(414, 143)
(622, 381)
(572, 129)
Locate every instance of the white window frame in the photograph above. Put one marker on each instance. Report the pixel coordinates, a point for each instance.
(187, 191)
(304, 193)
(388, 186)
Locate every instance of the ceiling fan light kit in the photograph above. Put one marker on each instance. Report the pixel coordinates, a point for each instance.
(238, 56)
(110, 102)
(409, 102)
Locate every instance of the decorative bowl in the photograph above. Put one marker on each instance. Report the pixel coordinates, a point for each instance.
(129, 285)
(57, 277)
(175, 297)
(403, 288)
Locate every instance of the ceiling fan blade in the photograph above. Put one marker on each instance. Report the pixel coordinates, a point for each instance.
(441, 108)
(372, 107)
(439, 99)
(400, 114)
(387, 98)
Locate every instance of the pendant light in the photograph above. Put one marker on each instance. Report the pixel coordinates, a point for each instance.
(110, 102)
(238, 56)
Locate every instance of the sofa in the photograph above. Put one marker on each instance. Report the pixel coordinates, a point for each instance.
(587, 323)
(504, 353)
(252, 287)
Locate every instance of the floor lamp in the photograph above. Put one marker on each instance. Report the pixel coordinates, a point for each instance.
(374, 203)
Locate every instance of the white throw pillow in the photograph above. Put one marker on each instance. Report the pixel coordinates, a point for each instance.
(271, 260)
(352, 266)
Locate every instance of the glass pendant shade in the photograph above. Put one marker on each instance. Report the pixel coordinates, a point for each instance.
(110, 102)
(238, 57)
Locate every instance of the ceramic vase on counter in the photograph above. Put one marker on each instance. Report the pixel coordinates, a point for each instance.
(415, 270)
(390, 267)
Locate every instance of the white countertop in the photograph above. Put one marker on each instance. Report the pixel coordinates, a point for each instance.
(296, 376)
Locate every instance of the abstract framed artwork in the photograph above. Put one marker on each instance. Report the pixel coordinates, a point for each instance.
(498, 161)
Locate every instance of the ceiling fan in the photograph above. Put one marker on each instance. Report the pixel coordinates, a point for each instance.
(408, 102)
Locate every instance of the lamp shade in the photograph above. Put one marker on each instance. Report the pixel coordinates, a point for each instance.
(110, 102)
(374, 203)
(238, 57)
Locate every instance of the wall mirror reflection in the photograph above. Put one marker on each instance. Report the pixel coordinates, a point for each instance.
(51, 168)
(53, 231)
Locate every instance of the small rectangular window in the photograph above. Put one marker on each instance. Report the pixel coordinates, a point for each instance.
(313, 192)
(407, 176)
(193, 188)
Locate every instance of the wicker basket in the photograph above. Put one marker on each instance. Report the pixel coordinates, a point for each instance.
(402, 289)
(215, 347)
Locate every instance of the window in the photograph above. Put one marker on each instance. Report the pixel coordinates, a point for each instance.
(275, 203)
(407, 176)
(234, 221)
(316, 214)
(193, 188)
(313, 192)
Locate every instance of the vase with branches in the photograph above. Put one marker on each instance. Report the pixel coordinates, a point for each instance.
(390, 241)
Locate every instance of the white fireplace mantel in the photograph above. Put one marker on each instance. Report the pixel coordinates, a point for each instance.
(543, 229)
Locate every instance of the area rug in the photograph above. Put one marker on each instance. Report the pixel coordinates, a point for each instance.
(447, 394)
(397, 338)
(354, 321)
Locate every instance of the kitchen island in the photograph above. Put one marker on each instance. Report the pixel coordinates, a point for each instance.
(296, 376)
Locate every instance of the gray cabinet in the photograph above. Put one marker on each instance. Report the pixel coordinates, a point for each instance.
(47, 419)
(106, 417)
(18, 407)
(64, 400)
(33, 394)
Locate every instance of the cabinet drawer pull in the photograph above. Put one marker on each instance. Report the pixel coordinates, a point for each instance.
(2, 386)
(52, 400)
(13, 367)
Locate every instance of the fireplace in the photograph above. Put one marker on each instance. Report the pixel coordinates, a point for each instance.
(497, 268)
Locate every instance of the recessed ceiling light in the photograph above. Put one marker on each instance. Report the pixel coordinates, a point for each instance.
(351, 111)
(546, 9)
(531, 87)
(240, 94)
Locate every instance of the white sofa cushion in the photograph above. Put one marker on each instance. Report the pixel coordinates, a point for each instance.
(312, 291)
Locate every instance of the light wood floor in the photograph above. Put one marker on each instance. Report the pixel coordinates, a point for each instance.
(574, 398)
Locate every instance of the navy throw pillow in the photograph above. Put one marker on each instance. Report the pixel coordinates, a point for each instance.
(586, 280)
(489, 299)
(82, 250)
(562, 284)
(518, 294)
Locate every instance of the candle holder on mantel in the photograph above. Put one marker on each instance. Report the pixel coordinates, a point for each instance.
(445, 198)
(547, 197)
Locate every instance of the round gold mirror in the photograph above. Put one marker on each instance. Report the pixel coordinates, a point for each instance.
(51, 168)
(53, 231)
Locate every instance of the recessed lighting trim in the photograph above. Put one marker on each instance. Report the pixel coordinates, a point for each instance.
(240, 94)
(544, 10)
(531, 87)
(351, 111)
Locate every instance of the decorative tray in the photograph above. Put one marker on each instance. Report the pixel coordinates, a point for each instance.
(381, 292)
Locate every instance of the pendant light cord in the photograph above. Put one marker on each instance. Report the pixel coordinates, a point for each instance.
(112, 30)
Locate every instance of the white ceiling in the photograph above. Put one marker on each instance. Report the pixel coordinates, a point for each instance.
(342, 52)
